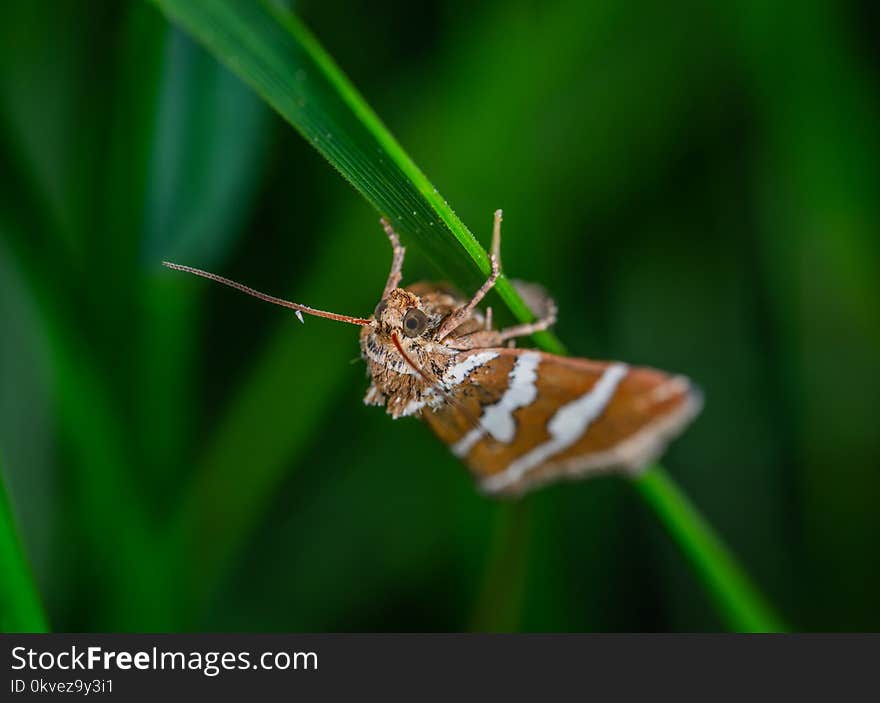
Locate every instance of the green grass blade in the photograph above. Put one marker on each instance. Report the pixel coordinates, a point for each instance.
(735, 597)
(20, 606)
(499, 605)
(189, 193)
(115, 529)
(275, 54)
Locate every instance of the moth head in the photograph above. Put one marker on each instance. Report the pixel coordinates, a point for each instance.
(402, 312)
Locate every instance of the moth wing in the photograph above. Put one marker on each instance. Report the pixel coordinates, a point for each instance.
(543, 417)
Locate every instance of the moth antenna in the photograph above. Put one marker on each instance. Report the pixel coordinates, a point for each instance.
(299, 309)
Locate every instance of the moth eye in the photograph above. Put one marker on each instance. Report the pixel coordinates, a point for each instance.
(414, 322)
(380, 308)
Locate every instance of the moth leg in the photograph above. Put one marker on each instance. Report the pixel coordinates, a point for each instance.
(496, 236)
(457, 316)
(460, 314)
(545, 322)
(486, 339)
(398, 251)
(374, 396)
(481, 339)
(488, 318)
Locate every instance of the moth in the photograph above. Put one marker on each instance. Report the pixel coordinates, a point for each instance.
(518, 418)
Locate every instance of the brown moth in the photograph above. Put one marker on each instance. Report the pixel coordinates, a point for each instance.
(519, 418)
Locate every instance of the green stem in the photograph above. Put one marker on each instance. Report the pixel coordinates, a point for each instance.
(20, 607)
(501, 598)
(736, 598)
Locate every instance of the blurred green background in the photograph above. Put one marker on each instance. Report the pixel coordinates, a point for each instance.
(697, 185)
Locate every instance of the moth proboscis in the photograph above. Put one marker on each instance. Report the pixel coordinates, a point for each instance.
(519, 418)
